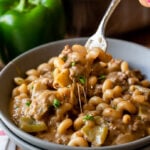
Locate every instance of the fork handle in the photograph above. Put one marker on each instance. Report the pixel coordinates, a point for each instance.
(101, 28)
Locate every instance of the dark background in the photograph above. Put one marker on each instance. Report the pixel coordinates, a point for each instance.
(130, 21)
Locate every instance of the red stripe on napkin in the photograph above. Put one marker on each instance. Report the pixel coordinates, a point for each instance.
(2, 133)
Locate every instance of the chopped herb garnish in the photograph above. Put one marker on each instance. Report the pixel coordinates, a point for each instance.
(32, 87)
(56, 103)
(101, 77)
(28, 103)
(82, 79)
(73, 63)
(16, 107)
(88, 117)
(64, 58)
(115, 107)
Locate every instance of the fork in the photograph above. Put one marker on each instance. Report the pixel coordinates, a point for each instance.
(98, 39)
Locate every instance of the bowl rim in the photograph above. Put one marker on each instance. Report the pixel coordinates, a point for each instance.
(18, 141)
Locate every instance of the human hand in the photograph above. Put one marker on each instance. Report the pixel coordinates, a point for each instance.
(145, 3)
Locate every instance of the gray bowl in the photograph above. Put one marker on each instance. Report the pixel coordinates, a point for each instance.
(137, 56)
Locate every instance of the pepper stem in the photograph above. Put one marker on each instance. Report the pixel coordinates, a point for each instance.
(34, 2)
(21, 5)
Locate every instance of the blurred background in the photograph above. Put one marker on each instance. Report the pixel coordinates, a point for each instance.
(130, 21)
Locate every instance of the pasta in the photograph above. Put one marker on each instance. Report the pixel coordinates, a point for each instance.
(79, 141)
(126, 119)
(82, 97)
(64, 125)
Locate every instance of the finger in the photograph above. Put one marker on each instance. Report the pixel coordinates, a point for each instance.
(145, 3)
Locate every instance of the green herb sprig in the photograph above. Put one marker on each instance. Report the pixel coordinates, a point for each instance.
(28, 103)
(88, 117)
(56, 103)
(73, 63)
(102, 77)
(82, 79)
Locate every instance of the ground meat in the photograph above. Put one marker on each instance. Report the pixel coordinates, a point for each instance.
(97, 90)
(118, 77)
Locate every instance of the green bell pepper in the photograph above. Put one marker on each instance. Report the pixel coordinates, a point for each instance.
(29, 23)
(29, 125)
(5, 5)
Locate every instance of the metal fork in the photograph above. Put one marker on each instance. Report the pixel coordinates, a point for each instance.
(98, 39)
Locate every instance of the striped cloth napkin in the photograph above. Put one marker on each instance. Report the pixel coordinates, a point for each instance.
(5, 142)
